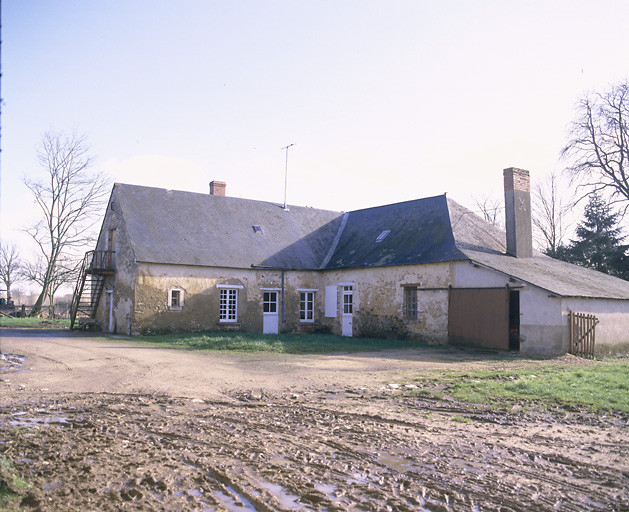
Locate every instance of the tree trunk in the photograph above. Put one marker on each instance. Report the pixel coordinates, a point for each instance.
(36, 310)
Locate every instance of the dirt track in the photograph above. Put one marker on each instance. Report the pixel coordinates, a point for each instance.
(108, 426)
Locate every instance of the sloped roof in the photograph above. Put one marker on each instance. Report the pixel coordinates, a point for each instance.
(418, 232)
(555, 276)
(483, 243)
(185, 228)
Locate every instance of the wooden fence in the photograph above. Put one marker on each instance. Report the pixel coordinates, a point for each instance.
(582, 333)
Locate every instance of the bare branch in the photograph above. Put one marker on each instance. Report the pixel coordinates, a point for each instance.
(70, 199)
(598, 149)
(491, 209)
(551, 208)
(10, 266)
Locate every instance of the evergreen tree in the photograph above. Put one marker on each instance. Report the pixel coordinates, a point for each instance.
(599, 241)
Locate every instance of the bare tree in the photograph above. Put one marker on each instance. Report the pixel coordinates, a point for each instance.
(64, 272)
(491, 209)
(598, 149)
(551, 210)
(10, 266)
(70, 198)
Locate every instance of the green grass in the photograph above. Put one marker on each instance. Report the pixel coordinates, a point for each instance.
(597, 386)
(277, 343)
(11, 486)
(35, 323)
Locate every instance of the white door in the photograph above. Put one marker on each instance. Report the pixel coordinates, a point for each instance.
(348, 310)
(270, 317)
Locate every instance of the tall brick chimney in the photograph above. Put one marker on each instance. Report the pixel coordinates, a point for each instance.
(217, 188)
(518, 212)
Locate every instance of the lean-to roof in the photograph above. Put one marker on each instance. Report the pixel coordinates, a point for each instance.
(483, 243)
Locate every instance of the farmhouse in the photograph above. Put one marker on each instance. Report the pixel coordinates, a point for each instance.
(426, 269)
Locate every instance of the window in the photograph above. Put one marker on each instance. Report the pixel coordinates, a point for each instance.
(348, 300)
(269, 302)
(306, 306)
(175, 298)
(410, 303)
(228, 310)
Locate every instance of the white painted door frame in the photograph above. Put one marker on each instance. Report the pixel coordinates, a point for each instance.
(347, 309)
(270, 311)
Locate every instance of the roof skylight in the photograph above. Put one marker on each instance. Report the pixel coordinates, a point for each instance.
(383, 235)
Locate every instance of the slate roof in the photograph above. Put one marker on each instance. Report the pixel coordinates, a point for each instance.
(419, 233)
(557, 277)
(185, 228)
(483, 243)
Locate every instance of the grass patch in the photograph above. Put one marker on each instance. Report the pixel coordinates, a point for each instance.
(35, 323)
(597, 386)
(12, 487)
(276, 343)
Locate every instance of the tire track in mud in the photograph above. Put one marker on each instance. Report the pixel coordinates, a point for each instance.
(137, 452)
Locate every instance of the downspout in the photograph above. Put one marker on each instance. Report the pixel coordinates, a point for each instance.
(283, 301)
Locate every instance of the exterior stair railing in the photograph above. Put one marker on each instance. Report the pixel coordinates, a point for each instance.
(97, 265)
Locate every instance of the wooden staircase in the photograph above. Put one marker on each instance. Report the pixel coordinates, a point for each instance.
(97, 265)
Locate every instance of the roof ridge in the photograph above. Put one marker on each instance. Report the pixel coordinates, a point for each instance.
(335, 242)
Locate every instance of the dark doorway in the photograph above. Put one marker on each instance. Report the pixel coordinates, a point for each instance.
(514, 320)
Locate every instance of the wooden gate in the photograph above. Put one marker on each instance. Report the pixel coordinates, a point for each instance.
(582, 331)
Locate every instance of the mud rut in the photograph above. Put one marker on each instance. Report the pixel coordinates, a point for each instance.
(324, 450)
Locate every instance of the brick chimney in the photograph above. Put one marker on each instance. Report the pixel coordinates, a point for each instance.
(518, 212)
(217, 188)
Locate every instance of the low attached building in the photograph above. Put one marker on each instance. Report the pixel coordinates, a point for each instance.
(426, 269)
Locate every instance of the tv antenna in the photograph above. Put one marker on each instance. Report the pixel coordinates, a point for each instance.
(286, 174)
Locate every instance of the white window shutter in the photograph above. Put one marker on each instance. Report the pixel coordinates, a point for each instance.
(330, 301)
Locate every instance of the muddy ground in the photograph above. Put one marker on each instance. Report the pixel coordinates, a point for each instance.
(314, 433)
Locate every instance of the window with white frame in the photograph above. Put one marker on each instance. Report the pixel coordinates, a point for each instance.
(228, 310)
(306, 306)
(410, 303)
(269, 302)
(348, 300)
(175, 298)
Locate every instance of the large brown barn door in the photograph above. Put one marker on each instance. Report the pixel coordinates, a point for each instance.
(479, 317)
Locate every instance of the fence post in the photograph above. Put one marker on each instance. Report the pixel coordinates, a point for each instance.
(571, 332)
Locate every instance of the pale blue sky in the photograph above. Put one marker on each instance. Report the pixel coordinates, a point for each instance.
(385, 100)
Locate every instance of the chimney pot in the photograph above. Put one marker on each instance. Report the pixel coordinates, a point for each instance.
(217, 188)
(517, 184)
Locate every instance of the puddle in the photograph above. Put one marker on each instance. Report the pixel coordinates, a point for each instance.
(286, 499)
(396, 462)
(358, 478)
(11, 362)
(41, 421)
(233, 501)
(327, 489)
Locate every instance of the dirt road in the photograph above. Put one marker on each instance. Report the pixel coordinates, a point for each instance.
(109, 425)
